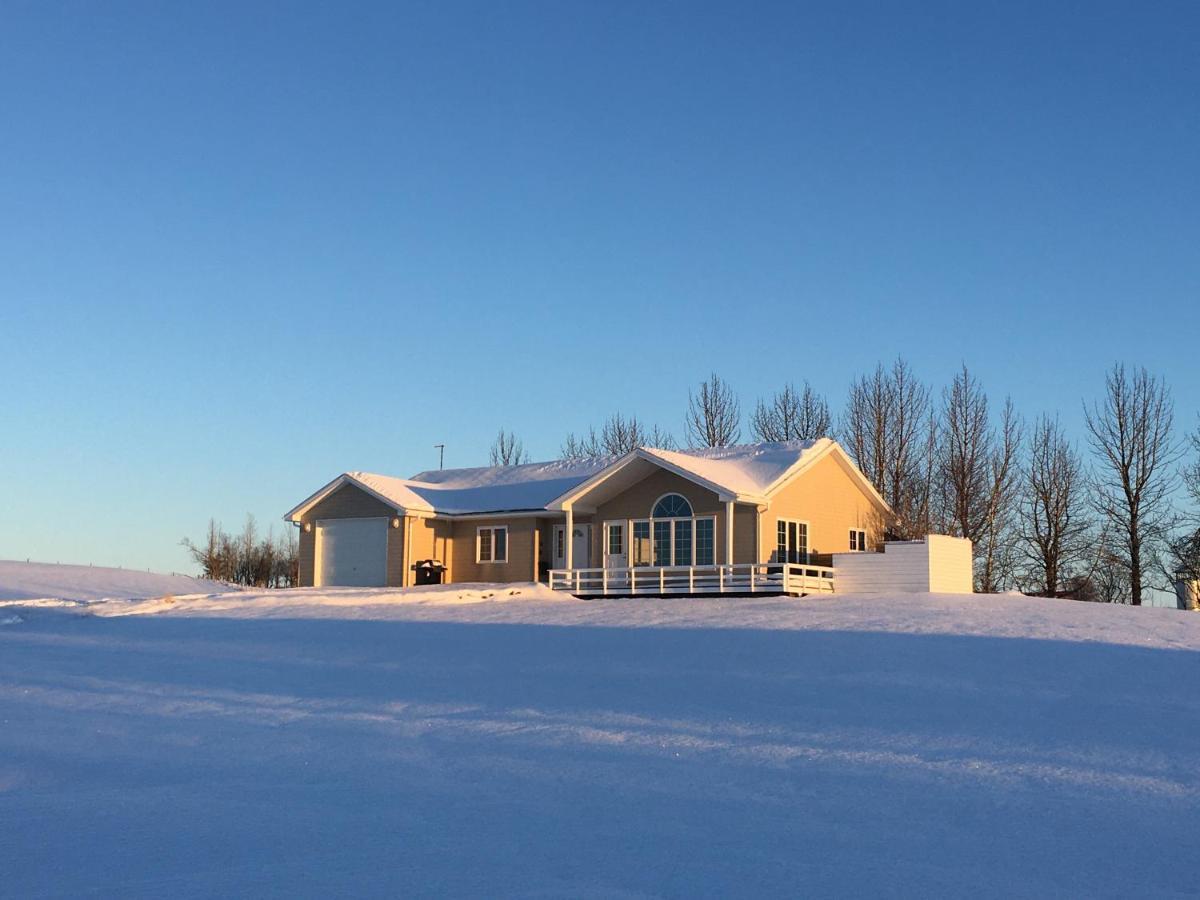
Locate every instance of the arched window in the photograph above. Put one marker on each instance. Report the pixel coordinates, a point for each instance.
(671, 506)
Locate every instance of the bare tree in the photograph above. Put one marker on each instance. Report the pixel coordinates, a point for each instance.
(1130, 433)
(889, 430)
(1185, 549)
(246, 558)
(978, 475)
(714, 415)
(584, 446)
(660, 439)
(619, 435)
(507, 450)
(1056, 529)
(791, 416)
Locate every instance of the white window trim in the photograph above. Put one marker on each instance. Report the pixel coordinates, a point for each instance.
(654, 506)
(479, 545)
(606, 531)
(671, 531)
(807, 537)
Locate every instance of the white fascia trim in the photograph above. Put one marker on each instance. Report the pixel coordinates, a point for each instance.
(723, 494)
(345, 478)
(293, 514)
(500, 514)
(565, 500)
(809, 460)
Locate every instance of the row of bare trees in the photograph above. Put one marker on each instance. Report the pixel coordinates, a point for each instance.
(248, 558)
(1043, 515)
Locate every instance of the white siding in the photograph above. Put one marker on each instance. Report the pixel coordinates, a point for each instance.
(938, 564)
(950, 566)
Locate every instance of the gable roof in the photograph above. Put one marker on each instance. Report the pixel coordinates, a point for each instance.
(467, 491)
(503, 488)
(746, 472)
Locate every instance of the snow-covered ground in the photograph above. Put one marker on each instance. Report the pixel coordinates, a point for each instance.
(484, 741)
(46, 581)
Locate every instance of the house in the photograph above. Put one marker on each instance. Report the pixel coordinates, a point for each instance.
(729, 519)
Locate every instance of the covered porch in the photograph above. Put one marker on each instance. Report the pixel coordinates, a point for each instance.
(659, 530)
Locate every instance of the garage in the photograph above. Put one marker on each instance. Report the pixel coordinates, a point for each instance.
(351, 552)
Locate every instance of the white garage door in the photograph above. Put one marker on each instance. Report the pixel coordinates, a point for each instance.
(351, 552)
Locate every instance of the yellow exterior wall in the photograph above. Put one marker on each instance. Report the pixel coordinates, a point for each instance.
(829, 499)
(522, 532)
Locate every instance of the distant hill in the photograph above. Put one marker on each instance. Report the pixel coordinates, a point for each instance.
(42, 581)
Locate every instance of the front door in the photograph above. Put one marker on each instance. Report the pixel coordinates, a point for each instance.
(579, 548)
(616, 553)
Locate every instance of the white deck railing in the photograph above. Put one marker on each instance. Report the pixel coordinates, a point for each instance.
(744, 578)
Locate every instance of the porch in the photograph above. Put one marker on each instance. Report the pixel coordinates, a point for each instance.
(796, 579)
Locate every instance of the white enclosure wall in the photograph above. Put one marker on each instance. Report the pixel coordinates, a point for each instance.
(951, 568)
(938, 564)
(351, 553)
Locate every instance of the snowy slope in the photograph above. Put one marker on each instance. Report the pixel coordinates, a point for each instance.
(532, 604)
(23, 581)
(314, 742)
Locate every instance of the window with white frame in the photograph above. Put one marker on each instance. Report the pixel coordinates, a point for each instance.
(673, 535)
(704, 541)
(791, 541)
(616, 538)
(641, 543)
(858, 540)
(491, 544)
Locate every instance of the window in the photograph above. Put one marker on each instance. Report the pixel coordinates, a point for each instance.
(683, 542)
(791, 541)
(662, 543)
(858, 540)
(616, 539)
(641, 543)
(491, 544)
(704, 542)
(671, 506)
(560, 550)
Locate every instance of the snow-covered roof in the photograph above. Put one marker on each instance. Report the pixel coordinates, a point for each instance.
(745, 469)
(503, 488)
(743, 472)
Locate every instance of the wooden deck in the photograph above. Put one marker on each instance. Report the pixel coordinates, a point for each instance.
(796, 579)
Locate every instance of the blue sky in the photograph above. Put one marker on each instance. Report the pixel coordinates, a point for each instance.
(246, 247)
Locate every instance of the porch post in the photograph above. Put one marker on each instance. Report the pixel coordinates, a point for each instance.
(729, 532)
(569, 538)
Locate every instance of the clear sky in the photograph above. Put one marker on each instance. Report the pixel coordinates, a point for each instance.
(245, 247)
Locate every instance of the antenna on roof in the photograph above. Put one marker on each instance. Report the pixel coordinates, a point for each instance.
(441, 449)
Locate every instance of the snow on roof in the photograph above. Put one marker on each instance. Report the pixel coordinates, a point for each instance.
(743, 469)
(487, 489)
(397, 490)
(748, 470)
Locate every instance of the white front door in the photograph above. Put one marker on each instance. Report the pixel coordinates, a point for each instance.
(580, 548)
(616, 548)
